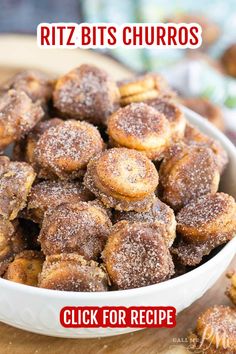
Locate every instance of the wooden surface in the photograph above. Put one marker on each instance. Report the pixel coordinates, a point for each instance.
(151, 341)
(18, 52)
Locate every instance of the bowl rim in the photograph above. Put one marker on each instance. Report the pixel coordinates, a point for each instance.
(114, 294)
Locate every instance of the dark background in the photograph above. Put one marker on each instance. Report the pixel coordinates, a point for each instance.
(23, 16)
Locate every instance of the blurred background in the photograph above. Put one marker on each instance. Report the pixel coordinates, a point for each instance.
(204, 78)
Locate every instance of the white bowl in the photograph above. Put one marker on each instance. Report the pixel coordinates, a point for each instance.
(37, 310)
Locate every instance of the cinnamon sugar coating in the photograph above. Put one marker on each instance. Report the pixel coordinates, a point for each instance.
(80, 227)
(143, 87)
(16, 179)
(188, 174)
(191, 254)
(217, 326)
(64, 151)
(139, 126)
(49, 194)
(210, 217)
(86, 93)
(71, 272)
(4, 163)
(206, 109)
(18, 115)
(193, 136)
(68, 189)
(24, 149)
(122, 178)
(12, 242)
(25, 268)
(159, 213)
(172, 113)
(136, 255)
(231, 291)
(35, 83)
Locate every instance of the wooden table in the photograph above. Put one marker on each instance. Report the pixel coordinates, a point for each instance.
(151, 341)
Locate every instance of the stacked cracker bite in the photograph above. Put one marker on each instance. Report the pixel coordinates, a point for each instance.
(109, 186)
(215, 331)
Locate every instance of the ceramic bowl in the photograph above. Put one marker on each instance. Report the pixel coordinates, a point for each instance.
(37, 310)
